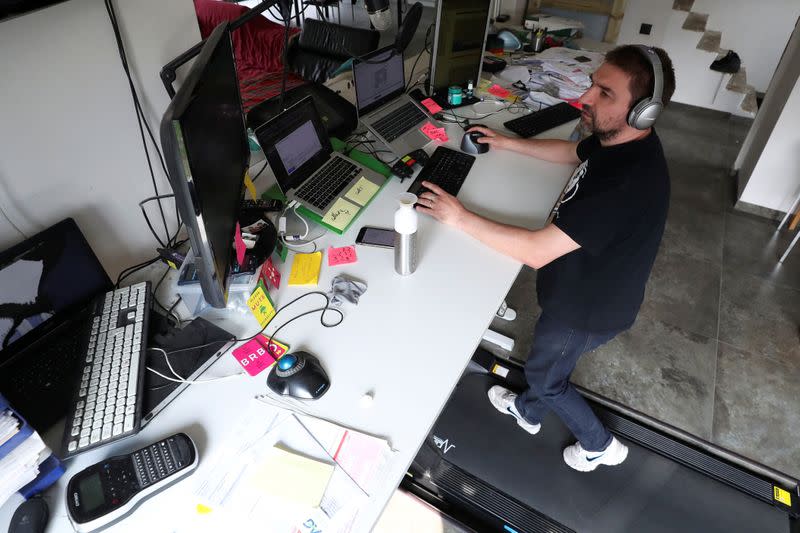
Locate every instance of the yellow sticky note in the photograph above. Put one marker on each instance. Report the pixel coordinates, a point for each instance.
(783, 496)
(305, 269)
(250, 185)
(203, 509)
(291, 477)
(261, 306)
(340, 215)
(362, 191)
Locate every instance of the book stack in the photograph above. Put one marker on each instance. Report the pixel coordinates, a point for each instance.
(27, 465)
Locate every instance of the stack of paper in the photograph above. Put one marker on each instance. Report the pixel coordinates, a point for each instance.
(561, 72)
(9, 426)
(20, 465)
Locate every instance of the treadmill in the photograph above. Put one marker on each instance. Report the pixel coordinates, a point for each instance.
(479, 468)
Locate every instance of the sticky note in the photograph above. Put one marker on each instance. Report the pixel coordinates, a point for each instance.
(340, 215)
(431, 106)
(498, 91)
(256, 355)
(269, 274)
(203, 509)
(362, 191)
(341, 256)
(261, 306)
(251, 187)
(434, 133)
(238, 242)
(292, 477)
(305, 269)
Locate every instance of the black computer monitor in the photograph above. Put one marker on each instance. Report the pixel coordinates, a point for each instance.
(204, 138)
(458, 42)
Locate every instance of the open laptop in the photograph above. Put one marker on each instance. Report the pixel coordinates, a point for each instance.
(47, 285)
(306, 168)
(384, 107)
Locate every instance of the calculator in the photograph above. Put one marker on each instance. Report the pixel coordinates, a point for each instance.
(110, 490)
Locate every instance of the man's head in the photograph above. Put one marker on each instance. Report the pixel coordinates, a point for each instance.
(624, 79)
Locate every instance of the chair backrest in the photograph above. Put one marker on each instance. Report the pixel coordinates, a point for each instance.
(323, 46)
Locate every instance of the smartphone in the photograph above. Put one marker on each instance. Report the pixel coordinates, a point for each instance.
(372, 236)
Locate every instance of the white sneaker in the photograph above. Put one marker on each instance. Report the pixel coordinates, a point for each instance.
(583, 461)
(503, 400)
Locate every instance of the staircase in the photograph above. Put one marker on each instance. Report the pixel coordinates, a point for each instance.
(728, 92)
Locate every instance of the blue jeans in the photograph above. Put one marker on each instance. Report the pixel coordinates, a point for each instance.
(553, 356)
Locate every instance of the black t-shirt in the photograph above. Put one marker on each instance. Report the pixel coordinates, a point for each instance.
(617, 216)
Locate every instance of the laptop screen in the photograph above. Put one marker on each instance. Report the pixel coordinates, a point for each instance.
(379, 79)
(42, 280)
(295, 144)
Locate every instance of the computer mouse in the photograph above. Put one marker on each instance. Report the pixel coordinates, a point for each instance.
(300, 375)
(30, 517)
(470, 144)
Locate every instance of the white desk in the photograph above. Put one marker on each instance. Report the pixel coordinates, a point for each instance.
(408, 339)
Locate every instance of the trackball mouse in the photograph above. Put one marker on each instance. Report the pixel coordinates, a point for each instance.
(300, 375)
(470, 144)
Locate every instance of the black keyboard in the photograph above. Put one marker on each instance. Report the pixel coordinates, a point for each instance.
(543, 120)
(446, 168)
(399, 121)
(328, 182)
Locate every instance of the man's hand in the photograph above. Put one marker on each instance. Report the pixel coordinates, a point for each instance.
(440, 205)
(492, 138)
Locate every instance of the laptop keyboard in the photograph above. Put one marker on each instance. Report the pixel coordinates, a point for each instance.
(399, 121)
(328, 182)
(107, 404)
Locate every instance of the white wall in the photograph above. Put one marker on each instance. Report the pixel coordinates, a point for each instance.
(757, 31)
(69, 140)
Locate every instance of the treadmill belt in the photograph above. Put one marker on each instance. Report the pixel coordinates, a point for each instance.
(483, 450)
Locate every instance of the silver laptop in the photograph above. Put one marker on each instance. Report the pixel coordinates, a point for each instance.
(384, 107)
(306, 168)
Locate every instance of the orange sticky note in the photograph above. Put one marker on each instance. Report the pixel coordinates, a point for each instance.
(434, 133)
(498, 91)
(431, 105)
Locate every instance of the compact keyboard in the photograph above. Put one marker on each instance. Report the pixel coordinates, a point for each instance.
(543, 120)
(446, 168)
(399, 121)
(328, 182)
(107, 403)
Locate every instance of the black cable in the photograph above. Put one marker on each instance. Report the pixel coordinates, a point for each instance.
(147, 219)
(130, 270)
(419, 55)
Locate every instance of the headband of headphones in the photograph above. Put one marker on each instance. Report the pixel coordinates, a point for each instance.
(646, 111)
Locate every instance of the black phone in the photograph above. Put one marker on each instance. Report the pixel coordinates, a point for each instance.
(372, 236)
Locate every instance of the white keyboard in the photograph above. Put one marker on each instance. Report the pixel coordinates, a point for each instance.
(107, 402)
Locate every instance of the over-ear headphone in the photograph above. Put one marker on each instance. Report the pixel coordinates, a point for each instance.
(646, 111)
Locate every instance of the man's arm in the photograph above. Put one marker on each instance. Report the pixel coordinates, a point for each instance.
(535, 248)
(552, 150)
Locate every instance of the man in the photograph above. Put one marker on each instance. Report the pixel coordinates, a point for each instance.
(594, 257)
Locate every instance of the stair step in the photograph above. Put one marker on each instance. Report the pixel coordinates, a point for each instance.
(695, 21)
(738, 82)
(682, 5)
(710, 41)
(749, 103)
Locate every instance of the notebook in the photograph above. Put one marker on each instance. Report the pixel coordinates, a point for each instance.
(301, 156)
(47, 284)
(383, 105)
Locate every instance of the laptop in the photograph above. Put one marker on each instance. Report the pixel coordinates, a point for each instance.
(47, 285)
(384, 107)
(306, 168)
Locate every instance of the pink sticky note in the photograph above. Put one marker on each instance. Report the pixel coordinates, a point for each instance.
(341, 256)
(241, 248)
(254, 356)
(498, 91)
(431, 105)
(434, 133)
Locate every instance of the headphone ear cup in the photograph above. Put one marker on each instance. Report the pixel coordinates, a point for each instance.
(644, 114)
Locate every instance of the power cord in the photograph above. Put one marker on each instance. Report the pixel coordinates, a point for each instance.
(179, 379)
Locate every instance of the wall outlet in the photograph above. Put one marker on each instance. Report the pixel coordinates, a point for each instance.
(645, 29)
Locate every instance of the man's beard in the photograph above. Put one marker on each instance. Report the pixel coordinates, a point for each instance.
(602, 134)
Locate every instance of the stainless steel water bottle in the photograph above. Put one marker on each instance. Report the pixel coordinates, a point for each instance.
(405, 236)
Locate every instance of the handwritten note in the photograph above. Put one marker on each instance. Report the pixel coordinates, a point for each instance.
(340, 215)
(431, 106)
(251, 187)
(257, 355)
(499, 91)
(341, 256)
(261, 306)
(239, 244)
(362, 191)
(434, 133)
(269, 274)
(305, 269)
